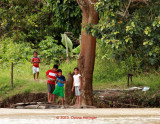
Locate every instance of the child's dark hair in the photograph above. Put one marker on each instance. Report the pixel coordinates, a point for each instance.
(35, 52)
(55, 66)
(76, 69)
(59, 70)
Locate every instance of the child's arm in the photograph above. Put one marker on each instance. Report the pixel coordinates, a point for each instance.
(80, 78)
(38, 61)
(47, 76)
(32, 61)
(61, 81)
(35, 61)
(56, 81)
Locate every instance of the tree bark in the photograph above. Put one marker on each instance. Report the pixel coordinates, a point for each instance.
(86, 58)
(68, 93)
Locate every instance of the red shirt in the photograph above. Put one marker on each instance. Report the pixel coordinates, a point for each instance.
(51, 74)
(35, 60)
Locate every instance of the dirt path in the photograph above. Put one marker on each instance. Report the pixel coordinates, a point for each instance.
(101, 116)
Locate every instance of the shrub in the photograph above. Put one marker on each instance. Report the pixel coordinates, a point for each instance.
(50, 51)
(15, 52)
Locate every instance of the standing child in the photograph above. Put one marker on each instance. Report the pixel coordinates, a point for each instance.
(59, 91)
(51, 78)
(35, 61)
(77, 84)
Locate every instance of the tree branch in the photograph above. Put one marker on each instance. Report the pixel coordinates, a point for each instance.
(127, 8)
(92, 2)
(131, 1)
(82, 3)
(143, 1)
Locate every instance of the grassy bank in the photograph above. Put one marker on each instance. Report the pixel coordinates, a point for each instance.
(107, 75)
(23, 78)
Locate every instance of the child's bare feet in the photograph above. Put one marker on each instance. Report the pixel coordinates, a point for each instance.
(75, 105)
(62, 107)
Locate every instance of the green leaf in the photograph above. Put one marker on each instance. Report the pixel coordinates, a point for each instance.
(69, 42)
(77, 49)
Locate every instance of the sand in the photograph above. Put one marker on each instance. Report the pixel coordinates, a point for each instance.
(68, 116)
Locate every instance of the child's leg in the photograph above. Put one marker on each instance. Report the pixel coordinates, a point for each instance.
(37, 74)
(80, 98)
(76, 103)
(77, 100)
(49, 97)
(53, 96)
(34, 72)
(79, 94)
(62, 100)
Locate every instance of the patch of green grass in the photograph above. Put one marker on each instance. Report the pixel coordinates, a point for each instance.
(23, 81)
(23, 78)
(152, 80)
(68, 67)
(107, 75)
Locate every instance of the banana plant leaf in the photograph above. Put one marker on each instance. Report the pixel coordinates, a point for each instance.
(70, 44)
(77, 49)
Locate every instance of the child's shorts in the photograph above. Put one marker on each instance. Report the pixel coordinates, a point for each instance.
(59, 91)
(77, 91)
(35, 70)
(51, 87)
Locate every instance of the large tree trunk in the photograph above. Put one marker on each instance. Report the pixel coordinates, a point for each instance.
(86, 58)
(68, 87)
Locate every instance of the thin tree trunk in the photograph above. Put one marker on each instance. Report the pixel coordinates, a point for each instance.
(86, 58)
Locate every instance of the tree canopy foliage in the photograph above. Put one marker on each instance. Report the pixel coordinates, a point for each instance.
(33, 20)
(131, 28)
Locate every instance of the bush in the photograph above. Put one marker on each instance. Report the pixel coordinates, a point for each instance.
(15, 52)
(50, 51)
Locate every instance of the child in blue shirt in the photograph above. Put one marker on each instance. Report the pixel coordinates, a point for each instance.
(59, 90)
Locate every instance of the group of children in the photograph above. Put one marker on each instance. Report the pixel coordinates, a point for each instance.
(56, 81)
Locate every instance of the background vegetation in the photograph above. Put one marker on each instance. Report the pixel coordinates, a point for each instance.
(131, 29)
(128, 42)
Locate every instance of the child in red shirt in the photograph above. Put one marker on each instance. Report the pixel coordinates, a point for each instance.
(51, 78)
(35, 61)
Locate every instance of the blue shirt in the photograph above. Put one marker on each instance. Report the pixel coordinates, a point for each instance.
(62, 78)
